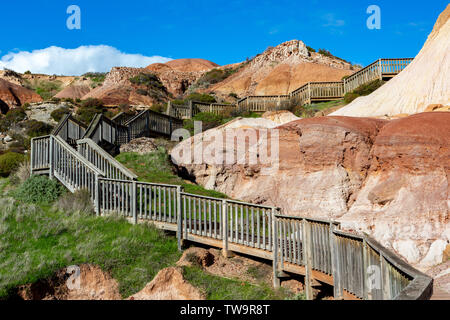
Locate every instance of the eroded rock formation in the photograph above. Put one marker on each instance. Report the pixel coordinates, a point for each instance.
(387, 178)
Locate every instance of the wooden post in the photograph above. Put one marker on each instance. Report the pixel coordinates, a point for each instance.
(385, 281)
(380, 69)
(179, 220)
(309, 92)
(169, 107)
(191, 109)
(367, 295)
(97, 196)
(225, 252)
(50, 158)
(307, 259)
(276, 279)
(133, 201)
(336, 267)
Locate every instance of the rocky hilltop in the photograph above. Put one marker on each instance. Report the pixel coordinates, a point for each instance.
(387, 178)
(282, 69)
(424, 82)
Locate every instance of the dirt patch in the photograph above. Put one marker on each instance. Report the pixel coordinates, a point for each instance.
(169, 284)
(85, 282)
(237, 267)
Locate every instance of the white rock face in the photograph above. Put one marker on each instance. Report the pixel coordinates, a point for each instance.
(425, 81)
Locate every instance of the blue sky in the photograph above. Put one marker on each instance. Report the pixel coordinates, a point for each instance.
(220, 31)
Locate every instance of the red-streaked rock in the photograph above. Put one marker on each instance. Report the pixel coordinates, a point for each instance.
(15, 95)
(387, 178)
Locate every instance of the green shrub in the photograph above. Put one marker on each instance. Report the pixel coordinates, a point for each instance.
(363, 90)
(142, 92)
(153, 86)
(21, 173)
(310, 49)
(202, 97)
(233, 95)
(59, 113)
(92, 103)
(9, 162)
(97, 78)
(38, 190)
(45, 88)
(209, 121)
(13, 116)
(36, 128)
(80, 202)
(88, 109)
(214, 76)
(350, 96)
(147, 79)
(159, 107)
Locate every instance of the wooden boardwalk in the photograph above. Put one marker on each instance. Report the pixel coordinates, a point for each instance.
(382, 69)
(357, 266)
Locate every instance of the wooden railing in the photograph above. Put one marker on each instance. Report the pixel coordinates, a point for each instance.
(189, 110)
(103, 130)
(122, 117)
(325, 91)
(150, 122)
(313, 247)
(69, 129)
(263, 103)
(64, 163)
(103, 160)
(356, 265)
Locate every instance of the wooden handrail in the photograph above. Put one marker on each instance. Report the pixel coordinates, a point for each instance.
(107, 157)
(295, 244)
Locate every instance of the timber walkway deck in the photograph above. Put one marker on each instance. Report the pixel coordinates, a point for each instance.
(382, 69)
(355, 265)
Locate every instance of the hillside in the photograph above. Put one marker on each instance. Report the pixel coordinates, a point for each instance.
(282, 69)
(424, 82)
(14, 95)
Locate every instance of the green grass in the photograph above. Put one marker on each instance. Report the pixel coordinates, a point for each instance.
(156, 167)
(36, 241)
(45, 88)
(218, 288)
(309, 111)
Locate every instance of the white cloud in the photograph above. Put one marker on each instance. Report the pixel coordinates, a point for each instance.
(61, 61)
(332, 21)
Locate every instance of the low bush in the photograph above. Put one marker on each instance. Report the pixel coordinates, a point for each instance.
(13, 116)
(363, 90)
(79, 202)
(202, 97)
(159, 107)
(88, 109)
(9, 162)
(36, 128)
(21, 174)
(97, 78)
(59, 113)
(45, 88)
(38, 190)
(209, 121)
(214, 76)
(233, 95)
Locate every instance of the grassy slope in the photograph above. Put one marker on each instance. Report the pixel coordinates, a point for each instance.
(155, 167)
(36, 241)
